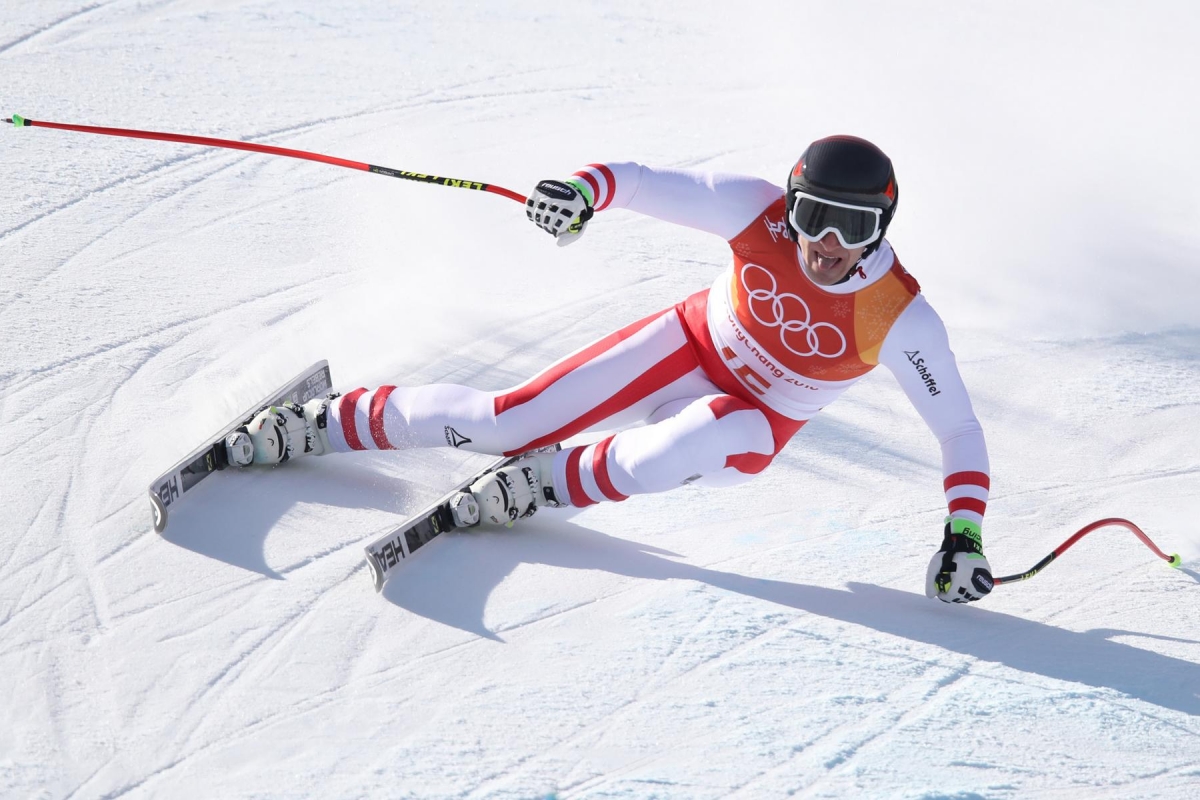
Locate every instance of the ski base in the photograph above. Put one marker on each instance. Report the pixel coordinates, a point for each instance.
(172, 486)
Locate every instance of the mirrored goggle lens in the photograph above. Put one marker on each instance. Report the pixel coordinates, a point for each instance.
(856, 226)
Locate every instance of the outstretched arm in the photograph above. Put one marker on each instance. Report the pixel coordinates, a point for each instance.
(917, 351)
(718, 203)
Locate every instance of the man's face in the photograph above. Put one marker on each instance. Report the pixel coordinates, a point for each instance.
(825, 261)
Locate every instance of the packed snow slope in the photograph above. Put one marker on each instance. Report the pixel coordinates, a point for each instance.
(763, 641)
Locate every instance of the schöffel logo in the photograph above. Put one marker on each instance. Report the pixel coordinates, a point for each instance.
(926, 376)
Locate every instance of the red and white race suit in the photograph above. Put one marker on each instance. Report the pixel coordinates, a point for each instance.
(722, 380)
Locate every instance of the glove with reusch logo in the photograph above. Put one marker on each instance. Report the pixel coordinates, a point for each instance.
(959, 572)
(560, 208)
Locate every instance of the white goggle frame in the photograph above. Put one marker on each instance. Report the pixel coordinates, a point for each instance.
(875, 212)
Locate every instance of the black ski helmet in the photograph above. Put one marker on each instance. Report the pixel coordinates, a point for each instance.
(846, 169)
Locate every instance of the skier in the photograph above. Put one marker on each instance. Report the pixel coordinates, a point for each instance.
(815, 298)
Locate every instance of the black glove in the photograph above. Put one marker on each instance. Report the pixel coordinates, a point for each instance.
(959, 572)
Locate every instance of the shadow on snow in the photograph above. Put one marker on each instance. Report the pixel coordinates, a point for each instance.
(458, 573)
(242, 509)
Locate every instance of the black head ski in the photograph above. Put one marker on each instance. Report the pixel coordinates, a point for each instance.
(172, 486)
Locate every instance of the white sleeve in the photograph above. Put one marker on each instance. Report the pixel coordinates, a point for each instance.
(714, 202)
(917, 351)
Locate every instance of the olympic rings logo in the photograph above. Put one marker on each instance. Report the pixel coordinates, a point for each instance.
(790, 325)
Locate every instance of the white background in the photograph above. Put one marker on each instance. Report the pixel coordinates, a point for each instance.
(754, 642)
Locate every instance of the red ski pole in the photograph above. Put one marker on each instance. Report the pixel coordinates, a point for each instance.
(457, 183)
(1173, 559)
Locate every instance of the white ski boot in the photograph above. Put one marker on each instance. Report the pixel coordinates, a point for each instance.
(280, 433)
(508, 494)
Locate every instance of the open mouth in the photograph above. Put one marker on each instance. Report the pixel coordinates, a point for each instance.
(826, 263)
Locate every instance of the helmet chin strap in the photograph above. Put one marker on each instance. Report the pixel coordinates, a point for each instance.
(850, 272)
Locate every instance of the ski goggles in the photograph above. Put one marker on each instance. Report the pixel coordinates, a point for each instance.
(854, 226)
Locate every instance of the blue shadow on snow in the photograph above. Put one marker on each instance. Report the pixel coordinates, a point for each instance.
(459, 571)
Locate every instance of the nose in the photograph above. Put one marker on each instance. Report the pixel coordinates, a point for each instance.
(830, 241)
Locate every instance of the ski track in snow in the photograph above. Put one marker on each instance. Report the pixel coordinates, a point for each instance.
(837, 753)
(173, 193)
(56, 24)
(280, 137)
(175, 331)
(237, 670)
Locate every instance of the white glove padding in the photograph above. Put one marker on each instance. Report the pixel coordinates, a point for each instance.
(560, 209)
(959, 572)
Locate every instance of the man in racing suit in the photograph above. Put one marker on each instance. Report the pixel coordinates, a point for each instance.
(814, 299)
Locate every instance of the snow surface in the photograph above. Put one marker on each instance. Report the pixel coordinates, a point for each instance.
(762, 641)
